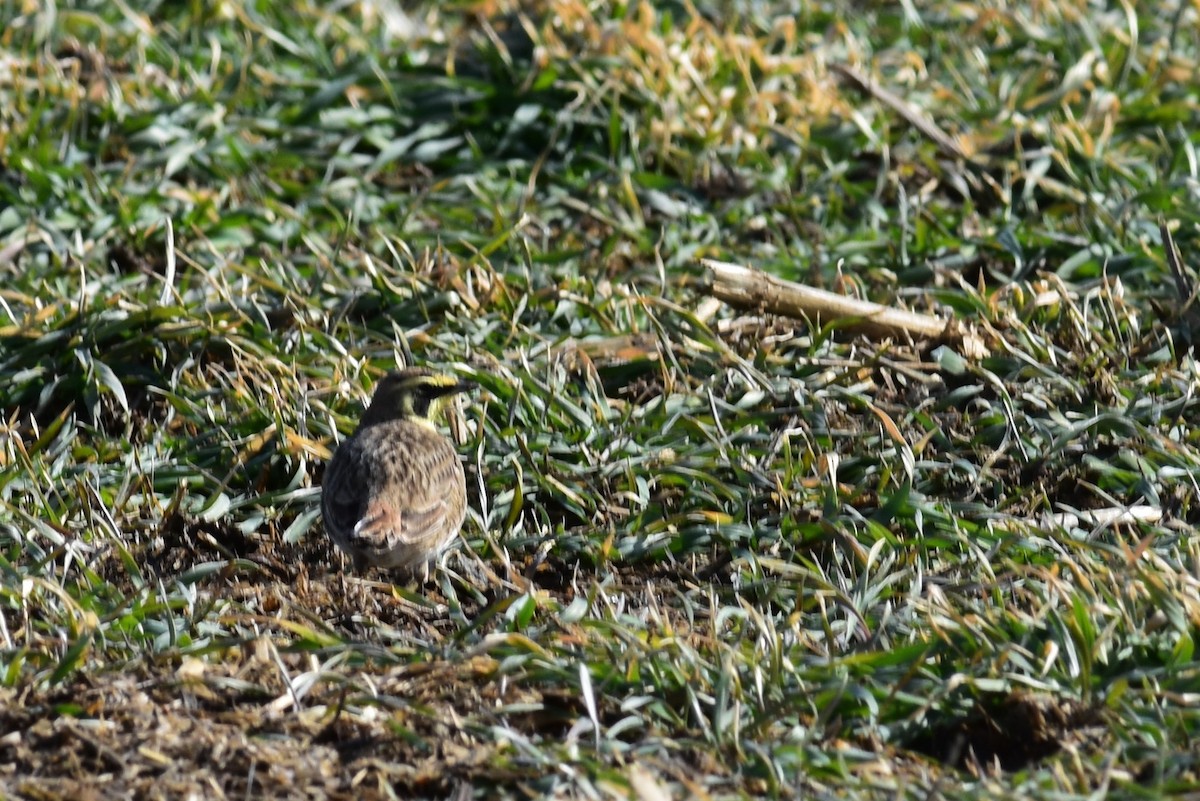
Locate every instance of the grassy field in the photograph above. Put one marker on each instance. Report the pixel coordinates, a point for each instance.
(712, 553)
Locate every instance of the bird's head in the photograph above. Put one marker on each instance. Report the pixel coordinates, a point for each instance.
(416, 393)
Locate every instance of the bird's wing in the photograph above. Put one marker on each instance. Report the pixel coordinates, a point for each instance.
(343, 494)
(422, 507)
(386, 525)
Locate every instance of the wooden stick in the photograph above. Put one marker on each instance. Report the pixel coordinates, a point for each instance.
(753, 289)
(747, 288)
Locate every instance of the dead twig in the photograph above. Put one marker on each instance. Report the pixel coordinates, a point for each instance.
(1183, 282)
(914, 117)
(748, 288)
(1183, 318)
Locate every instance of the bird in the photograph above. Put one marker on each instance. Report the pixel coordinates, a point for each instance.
(394, 494)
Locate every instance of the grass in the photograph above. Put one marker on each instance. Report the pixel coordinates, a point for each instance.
(711, 553)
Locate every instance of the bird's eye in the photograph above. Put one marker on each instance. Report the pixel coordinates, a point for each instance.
(421, 400)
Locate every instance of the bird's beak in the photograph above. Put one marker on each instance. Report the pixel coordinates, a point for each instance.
(454, 389)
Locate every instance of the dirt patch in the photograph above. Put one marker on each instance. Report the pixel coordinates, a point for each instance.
(1010, 733)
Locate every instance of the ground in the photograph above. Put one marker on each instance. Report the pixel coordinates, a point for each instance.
(714, 550)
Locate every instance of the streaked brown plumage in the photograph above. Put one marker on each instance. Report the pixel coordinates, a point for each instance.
(394, 494)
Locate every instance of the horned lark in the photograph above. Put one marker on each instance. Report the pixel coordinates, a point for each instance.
(394, 494)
